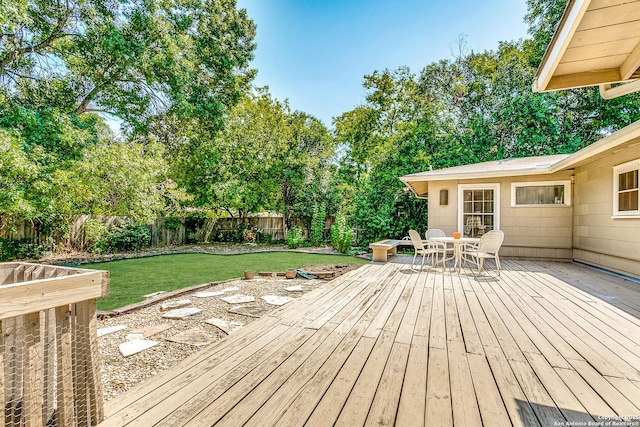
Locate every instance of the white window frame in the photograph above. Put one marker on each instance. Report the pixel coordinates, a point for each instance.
(617, 170)
(496, 202)
(567, 193)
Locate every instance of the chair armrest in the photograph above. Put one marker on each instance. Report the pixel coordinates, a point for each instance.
(436, 245)
(470, 247)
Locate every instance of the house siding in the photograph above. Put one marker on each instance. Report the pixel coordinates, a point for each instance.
(541, 232)
(598, 238)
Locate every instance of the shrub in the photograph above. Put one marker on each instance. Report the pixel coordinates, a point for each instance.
(317, 224)
(131, 237)
(295, 238)
(96, 236)
(171, 223)
(341, 234)
(20, 249)
(263, 237)
(249, 236)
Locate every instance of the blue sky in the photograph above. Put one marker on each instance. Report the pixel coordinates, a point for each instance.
(315, 53)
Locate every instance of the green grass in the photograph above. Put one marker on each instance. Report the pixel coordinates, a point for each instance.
(133, 278)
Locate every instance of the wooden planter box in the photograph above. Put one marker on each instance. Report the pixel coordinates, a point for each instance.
(49, 368)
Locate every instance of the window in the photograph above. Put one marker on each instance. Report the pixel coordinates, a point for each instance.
(625, 189)
(554, 193)
(479, 206)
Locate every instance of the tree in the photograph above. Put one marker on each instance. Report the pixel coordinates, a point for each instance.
(136, 60)
(116, 179)
(242, 164)
(17, 181)
(305, 169)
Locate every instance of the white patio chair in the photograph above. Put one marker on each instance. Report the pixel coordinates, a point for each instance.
(441, 247)
(487, 247)
(420, 249)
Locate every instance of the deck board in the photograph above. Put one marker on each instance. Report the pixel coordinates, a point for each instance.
(541, 344)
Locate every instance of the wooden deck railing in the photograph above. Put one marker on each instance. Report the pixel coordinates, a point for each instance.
(49, 368)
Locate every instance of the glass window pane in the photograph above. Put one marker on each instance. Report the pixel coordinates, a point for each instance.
(478, 212)
(628, 180)
(540, 195)
(628, 201)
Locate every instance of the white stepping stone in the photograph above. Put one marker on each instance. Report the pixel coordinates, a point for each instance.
(276, 300)
(132, 336)
(136, 346)
(110, 330)
(195, 336)
(249, 310)
(181, 313)
(151, 330)
(231, 289)
(226, 326)
(238, 299)
(297, 288)
(172, 305)
(208, 294)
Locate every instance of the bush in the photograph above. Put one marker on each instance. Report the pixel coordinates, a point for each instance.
(20, 249)
(341, 234)
(295, 238)
(96, 236)
(131, 237)
(317, 224)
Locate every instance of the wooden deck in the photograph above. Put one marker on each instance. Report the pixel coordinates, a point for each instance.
(543, 344)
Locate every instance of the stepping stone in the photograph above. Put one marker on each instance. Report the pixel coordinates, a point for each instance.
(181, 313)
(151, 330)
(297, 288)
(208, 294)
(172, 305)
(110, 330)
(195, 336)
(132, 336)
(226, 326)
(231, 289)
(276, 300)
(238, 299)
(136, 346)
(249, 310)
(155, 294)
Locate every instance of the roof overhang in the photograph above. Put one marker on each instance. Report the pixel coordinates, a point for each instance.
(627, 137)
(597, 42)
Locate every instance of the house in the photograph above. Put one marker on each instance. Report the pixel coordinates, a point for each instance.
(582, 206)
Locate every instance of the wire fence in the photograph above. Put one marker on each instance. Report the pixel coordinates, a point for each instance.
(49, 370)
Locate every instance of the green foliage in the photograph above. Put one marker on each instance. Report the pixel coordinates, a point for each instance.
(130, 237)
(295, 238)
(171, 223)
(341, 234)
(317, 224)
(21, 249)
(138, 61)
(96, 236)
(18, 173)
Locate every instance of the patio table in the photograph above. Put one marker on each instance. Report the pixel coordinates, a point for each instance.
(457, 247)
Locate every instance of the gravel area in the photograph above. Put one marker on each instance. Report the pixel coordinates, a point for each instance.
(120, 373)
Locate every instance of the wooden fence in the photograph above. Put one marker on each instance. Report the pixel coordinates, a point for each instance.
(49, 367)
(163, 232)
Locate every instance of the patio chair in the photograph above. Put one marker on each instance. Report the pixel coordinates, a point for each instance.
(487, 247)
(440, 246)
(420, 249)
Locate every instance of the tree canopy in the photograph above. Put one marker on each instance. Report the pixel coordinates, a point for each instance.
(196, 134)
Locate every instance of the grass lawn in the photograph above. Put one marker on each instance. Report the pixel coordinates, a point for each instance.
(133, 278)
